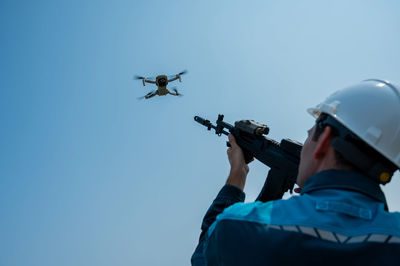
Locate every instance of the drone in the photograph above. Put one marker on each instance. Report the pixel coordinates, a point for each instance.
(161, 81)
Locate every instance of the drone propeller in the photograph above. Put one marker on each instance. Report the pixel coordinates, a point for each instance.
(183, 72)
(177, 75)
(176, 91)
(148, 94)
(141, 77)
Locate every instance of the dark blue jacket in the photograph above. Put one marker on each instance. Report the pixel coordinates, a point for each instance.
(340, 218)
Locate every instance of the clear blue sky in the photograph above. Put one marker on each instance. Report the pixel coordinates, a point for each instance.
(92, 176)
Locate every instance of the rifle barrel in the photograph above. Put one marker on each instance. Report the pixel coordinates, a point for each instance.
(218, 129)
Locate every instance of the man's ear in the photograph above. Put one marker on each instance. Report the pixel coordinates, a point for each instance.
(323, 143)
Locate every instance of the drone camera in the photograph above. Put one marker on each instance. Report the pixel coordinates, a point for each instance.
(162, 82)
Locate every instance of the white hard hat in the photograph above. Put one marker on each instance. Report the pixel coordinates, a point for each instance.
(371, 110)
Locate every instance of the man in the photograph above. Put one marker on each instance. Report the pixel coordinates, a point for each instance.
(341, 215)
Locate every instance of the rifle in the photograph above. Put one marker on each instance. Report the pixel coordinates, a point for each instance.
(283, 158)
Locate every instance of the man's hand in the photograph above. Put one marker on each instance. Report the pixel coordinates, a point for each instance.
(239, 169)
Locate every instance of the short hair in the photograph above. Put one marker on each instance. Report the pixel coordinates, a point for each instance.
(319, 128)
(340, 131)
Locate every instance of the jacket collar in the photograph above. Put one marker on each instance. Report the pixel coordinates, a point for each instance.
(346, 180)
